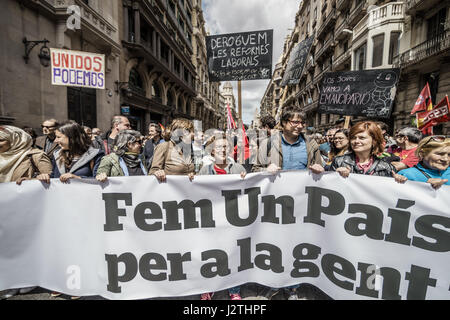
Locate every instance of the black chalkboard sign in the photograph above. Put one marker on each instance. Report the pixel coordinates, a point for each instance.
(368, 93)
(240, 56)
(297, 61)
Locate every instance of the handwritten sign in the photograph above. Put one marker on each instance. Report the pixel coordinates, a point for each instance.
(297, 61)
(240, 56)
(78, 69)
(368, 93)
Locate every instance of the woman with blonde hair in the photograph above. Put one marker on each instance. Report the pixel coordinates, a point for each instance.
(175, 156)
(434, 161)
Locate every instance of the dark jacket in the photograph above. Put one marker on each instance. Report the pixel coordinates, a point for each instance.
(379, 168)
(271, 151)
(86, 166)
(101, 142)
(149, 150)
(40, 144)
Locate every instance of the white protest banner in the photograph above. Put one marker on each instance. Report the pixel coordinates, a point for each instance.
(78, 69)
(356, 238)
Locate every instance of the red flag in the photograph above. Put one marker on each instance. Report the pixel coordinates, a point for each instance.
(246, 146)
(429, 119)
(230, 121)
(424, 102)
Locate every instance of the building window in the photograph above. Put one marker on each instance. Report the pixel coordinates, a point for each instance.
(393, 46)
(378, 44)
(135, 82)
(436, 24)
(360, 58)
(164, 51)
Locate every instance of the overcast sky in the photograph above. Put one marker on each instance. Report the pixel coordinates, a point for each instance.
(230, 16)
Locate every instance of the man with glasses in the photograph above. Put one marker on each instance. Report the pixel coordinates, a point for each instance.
(288, 150)
(47, 141)
(105, 142)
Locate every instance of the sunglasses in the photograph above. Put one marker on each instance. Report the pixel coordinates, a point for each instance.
(48, 127)
(436, 139)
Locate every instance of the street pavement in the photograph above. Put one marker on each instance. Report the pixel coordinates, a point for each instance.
(248, 292)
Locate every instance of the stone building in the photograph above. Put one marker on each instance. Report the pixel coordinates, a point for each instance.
(157, 77)
(230, 99)
(27, 96)
(424, 57)
(207, 104)
(367, 34)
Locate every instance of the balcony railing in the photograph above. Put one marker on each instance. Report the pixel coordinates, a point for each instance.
(342, 58)
(391, 11)
(341, 4)
(338, 34)
(327, 23)
(357, 13)
(424, 50)
(329, 44)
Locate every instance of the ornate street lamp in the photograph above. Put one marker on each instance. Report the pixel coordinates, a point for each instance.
(44, 54)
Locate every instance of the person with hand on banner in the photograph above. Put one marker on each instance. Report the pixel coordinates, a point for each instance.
(76, 159)
(125, 160)
(339, 145)
(222, 165)
(366, 142)
(289, 149)
(175, 156)
(433, 168)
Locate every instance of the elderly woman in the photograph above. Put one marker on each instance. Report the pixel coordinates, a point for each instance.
(366, 142)
(125, 160)
(434, 161)
(175, 156)
(77, 158)
(18, 160)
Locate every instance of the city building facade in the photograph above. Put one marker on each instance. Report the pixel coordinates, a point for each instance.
(27, 96)
(355, 35)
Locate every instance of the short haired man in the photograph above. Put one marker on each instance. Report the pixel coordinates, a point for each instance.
(289, 149)
(47, 141)
(268, 123)
(407, 140)
(105, 142)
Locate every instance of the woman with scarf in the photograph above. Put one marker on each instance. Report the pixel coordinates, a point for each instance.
(175, 157)
(126, 158)
(20, 162)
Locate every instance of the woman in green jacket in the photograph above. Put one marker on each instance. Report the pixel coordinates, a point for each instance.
(126, 159)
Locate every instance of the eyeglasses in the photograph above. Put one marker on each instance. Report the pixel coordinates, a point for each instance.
(339, 139)
(296, 123)
(436, 139)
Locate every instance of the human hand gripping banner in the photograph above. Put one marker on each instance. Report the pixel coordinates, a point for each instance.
(134, 238)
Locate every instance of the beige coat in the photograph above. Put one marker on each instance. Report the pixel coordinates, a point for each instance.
(169, 159)
(25, 168)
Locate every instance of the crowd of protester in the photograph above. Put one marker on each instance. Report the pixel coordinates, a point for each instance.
(68, 151)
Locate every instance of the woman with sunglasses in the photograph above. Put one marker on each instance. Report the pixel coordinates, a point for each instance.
(339, 144)
(125, 160)
(434, 161)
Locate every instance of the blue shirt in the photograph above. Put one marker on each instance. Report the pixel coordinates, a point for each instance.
(295, 156)
(414, 174)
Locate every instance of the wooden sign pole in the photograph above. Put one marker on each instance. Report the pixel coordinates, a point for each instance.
(240, 100)
(347, 122)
